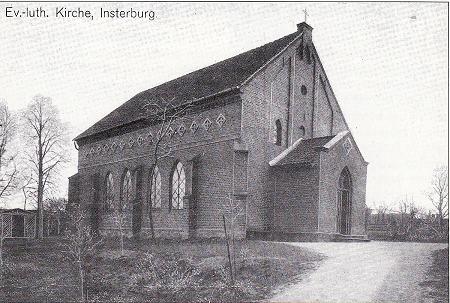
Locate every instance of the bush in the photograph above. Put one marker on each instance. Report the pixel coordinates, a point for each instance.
(167, 276)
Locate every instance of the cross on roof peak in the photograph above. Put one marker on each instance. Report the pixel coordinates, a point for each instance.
(306, 14)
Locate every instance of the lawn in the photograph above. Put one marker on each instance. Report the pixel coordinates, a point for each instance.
(155, 272)
(436, 281)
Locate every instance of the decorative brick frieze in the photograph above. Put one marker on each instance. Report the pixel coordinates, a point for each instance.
(140, 140)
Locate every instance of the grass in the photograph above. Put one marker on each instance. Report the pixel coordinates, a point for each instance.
(155, 272)
(436, 281)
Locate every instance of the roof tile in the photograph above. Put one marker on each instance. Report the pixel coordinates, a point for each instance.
(304, 152)
(207, 81)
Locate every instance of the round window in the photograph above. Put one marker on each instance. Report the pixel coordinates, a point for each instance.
(303, 90)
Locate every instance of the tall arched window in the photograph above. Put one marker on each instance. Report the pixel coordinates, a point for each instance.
(344, 207)
(279, 132)
(178, 186)
(109, 192)
(155, 188)
(126, 190)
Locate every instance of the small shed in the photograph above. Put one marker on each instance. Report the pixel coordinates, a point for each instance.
(18, 223)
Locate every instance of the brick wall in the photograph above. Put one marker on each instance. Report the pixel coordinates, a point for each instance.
(332, 162)
(295, 198)
(266, 97)
(325, 102)
(324, 112)
(208, 152)
(74, 190)
(302, 106)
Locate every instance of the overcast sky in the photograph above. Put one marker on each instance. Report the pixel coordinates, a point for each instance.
(387, 64)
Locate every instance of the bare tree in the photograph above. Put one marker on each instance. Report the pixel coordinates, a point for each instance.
(119, 218)
(55, 207)
(2, 239)
(439, 194)
(409, 221)
(8, 167)
(232, 210)
(8, 155)
(46, 139)
(79, 245)
(383, 210)
(162, 115)
(28, 190)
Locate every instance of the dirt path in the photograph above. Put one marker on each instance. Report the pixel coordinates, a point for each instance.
(364, 272)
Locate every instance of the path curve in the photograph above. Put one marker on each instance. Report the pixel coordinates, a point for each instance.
(364, 272)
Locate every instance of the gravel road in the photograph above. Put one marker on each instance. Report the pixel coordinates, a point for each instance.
(364, 272)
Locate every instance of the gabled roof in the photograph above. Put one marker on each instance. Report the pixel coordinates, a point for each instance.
(302, 151)
(208, 81)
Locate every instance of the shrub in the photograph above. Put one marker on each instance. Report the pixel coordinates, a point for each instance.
(167, 276)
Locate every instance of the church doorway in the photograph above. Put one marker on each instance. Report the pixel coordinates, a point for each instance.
(344, 205)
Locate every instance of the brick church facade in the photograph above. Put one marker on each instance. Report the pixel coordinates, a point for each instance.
(267, 133)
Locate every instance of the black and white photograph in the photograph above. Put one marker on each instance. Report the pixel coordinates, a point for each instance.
(224, 151)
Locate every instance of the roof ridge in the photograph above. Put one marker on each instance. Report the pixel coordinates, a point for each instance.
(336, 139)
(285, 152)
(221, 62)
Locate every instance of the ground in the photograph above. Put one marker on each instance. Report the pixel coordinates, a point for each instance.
(369, 272)
(165, 271)
(197, 271)
(436, 281)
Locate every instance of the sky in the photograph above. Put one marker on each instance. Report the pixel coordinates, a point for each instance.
(387, 64)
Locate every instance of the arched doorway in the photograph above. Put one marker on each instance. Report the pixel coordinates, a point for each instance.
(344, 203)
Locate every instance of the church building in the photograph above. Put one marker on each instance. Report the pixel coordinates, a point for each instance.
(265, 134)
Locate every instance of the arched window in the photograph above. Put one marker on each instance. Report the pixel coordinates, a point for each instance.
(109, 192)
(126, 190)
(155, 188)
(178, 186)
(344, 207)
(345, 180)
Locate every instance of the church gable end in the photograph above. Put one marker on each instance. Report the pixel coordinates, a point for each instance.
(340, 154)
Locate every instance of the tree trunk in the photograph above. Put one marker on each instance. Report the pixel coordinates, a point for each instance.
(228, 250)
(150, 205)
(152, 229)
(1, 252)
(1, 244)
(233, 242)
(80, 267)
(1, 259)
(121, 233)
(40, 190)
